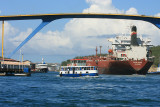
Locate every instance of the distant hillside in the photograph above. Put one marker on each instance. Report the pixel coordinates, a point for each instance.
(156, 52)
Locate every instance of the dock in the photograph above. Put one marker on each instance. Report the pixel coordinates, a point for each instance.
(11, 67)
(15, 74)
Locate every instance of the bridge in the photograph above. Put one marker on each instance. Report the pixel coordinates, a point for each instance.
(47, 18)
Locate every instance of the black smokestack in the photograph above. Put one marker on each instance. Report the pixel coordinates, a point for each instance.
(134, 36)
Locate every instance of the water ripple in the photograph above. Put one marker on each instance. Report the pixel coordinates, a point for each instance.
(48, 89)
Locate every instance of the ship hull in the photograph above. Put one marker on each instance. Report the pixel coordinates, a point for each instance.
(121, 67)
(41, 70)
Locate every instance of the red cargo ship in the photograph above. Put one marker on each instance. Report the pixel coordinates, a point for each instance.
(129, 55)
(120, 67)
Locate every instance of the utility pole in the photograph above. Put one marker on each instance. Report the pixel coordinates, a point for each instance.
(2, 37)
(96, 51)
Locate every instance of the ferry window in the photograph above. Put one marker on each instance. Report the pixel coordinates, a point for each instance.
(88, 68)
(85, 68)
(92, 68)
(95, 68)
(66, 69)
(77, 68)
(62, 69)
(80, 68)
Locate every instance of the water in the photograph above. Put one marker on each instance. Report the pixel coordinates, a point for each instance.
(48, 89)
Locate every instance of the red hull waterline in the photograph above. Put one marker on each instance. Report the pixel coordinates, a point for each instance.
(121, 67)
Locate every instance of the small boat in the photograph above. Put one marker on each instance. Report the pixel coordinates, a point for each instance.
(78, 71)
(156, 72)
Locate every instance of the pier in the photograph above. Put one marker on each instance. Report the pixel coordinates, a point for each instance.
(11, 67)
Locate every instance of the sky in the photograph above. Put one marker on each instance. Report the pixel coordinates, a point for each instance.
(66, 38)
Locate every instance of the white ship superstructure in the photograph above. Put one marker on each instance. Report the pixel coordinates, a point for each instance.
(43, 67)
(124, 50)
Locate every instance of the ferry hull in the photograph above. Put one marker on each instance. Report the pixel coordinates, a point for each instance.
(78, 75)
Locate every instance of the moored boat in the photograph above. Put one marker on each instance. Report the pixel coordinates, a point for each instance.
(41, 67)
(155, 72)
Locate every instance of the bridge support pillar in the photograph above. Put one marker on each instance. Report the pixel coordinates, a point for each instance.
(44, 23)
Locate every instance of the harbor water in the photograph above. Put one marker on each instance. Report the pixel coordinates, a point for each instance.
(48, 89)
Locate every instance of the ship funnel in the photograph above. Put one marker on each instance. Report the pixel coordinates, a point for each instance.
(134, 36)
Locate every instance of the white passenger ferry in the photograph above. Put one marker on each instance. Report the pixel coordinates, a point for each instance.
(78, 71)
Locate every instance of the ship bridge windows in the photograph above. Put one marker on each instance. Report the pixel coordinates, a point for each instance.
(123, 55)
(77, 68)
(119, 59)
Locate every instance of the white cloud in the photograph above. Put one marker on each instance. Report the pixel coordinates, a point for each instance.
(157, 15)
(81, 36)
(100, 2)
(22, 35)
(9, 30)
(132, 11)
(101, 6)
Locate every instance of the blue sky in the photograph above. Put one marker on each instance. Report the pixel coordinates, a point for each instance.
(63, 39)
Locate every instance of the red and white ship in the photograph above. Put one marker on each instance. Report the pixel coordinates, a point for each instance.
(128, 55)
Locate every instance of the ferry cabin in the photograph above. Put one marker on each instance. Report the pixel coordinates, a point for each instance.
(77, 71)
